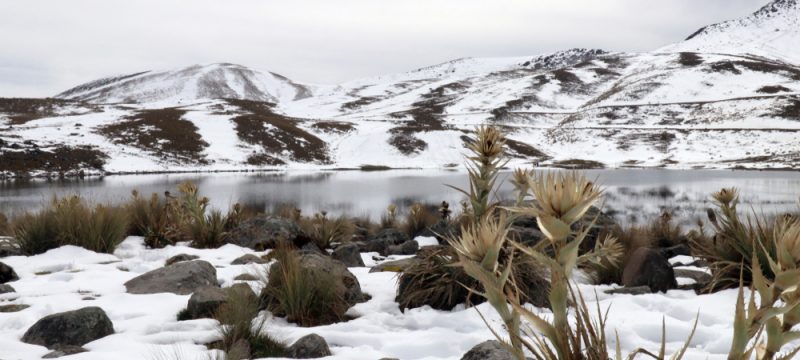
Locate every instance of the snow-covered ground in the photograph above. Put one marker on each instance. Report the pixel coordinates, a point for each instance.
(69, 278)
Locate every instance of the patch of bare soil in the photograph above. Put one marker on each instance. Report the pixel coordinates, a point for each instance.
(257, 124)
(161, 132)
(58, 160)
(690, 59)
(790, 111)
(502, 113)
(364, 101)
(660, 140)
(755, 65)
(427, 115)
(261, 159)
(578, 164)
(335, 127)
(20, 111)
(773, 89)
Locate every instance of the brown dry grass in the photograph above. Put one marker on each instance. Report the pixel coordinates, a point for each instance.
(58, 160)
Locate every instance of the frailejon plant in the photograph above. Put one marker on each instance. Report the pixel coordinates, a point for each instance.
(778, 308)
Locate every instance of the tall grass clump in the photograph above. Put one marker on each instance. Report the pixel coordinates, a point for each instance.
(71, 221)
(305, 297)
(155, 219)
(764, 327)
(389, 219)
(734, 243)
(239, 322)
(558, 201)
(325, 231)
(5, 227)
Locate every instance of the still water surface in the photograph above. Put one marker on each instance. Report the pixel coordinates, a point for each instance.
(633, 194)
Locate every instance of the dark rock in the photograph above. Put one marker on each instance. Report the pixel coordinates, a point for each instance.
(5, 289)
(311, 247)
(673, 251)
(700, 277)
(206, 301)
(349, 254)
(71, 328)
(441, 230)
(179, 258)
(182, 278)
(246, 277)
(648, 267)
(636, 290)
(248, 259)
(381, 242)
(409, 247)
(7, 274)
(489, 350)
(311, 346)
(264, 232)
(64, 351)
(394, 265)
(242, 289)
(9, 247)
(13, 308)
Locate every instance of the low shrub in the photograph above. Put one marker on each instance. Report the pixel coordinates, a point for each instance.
(71, 221)
(324, 231)
(305, 298)
(5, 227)
(155, 219)
(389, 219)
(418, 219)
(239, 321)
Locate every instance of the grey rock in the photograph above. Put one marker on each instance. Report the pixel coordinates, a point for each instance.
(409, 247)
(349, 254)
(5, 289)
(441, 230)
(182, 278)
(394, 265)
(488, 350)
(321, 264)
(9, 247)
(242, 289)
(701, 277)
(636, 290)
(248, 259)
(648, 267)
(205, 301)
(64, 351)
(7, 274)
(311, 346)
(381, 242)
(246, 277)
(179, 258)
(71, 328)
(311, 247)
(264, 232)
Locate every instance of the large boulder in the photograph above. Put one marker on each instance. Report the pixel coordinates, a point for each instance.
(648, 267)
(180, 258)
(205, 301)
(489, 350)
(381, 242)
(182, 278)
(311, 346)
(321, 265)
(7, 274)
(264, 232)
(71, 328)
(349, 254)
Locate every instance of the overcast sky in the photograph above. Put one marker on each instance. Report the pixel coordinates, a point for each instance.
(49, 46)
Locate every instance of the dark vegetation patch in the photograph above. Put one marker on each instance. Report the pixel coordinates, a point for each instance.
(427, 116)
(790, 111)
(658, 140)
(261, 159)
(578, 164)
(774, 89)
(760, 66)
(690, 59)
(502, 112)
(20, 111)
(566, 77)
(725, 66)
(364, 101)
(374, 168)
(338, 127)
(161, 132)
(58, 160)
(604, 72)
(258, 125)
(520, 149)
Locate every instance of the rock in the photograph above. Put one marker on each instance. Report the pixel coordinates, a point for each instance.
(489, 350)
(394, 265)
(64, 351)
(409, 247)
(179, 258)
(673, 251)
(7, 274)
(264, 232)
(9, 247)
(5, 289)
(636, 290)
(441, 230)
(248, 259)
(182, 278)
(13, 308)
(242, 289)
(700, 277)
(525, 235)
(205, 301)
(349, 254)
(648, 267)
(381, 242)
(246, 277)
(311, 346)
(71, 328)
(311, 247)
(319, 264)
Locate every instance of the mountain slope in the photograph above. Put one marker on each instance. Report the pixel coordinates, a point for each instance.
(705, 103)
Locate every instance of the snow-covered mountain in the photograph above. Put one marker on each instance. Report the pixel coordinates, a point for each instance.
(729, 96)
